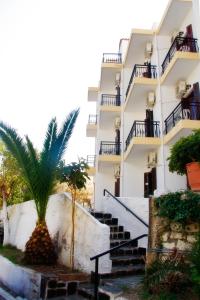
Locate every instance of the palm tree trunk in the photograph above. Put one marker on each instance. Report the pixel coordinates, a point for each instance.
(39, 249)
(6, 231)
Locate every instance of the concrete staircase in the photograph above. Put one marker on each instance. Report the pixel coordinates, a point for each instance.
(128, 263)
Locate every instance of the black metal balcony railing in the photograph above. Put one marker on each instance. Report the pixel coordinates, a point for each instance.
(110, 100)
(143, 129)
(91, 160)
(115, 58)
(92, 120)
(183, 44)
(189, 111)
(110, 148)
(146, 71)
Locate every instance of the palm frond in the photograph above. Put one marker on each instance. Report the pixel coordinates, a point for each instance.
(39, 171)
(36, 180)
(51, 135)
(66, 132)
(16, 146)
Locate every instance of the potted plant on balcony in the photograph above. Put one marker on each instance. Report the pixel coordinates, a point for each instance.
(185, 159)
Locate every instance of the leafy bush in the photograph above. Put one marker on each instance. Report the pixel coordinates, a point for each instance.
(167, 275)
(184, 151)
(194, 258)
(179, 207)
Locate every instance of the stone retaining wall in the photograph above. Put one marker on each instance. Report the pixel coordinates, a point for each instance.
(167, 235)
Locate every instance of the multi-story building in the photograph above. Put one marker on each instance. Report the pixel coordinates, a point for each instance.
(147, 98)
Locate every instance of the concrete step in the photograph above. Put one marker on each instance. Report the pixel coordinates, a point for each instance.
(105, 292)
(113, 221)
(127, 260)
(72, 297)
(121, 271)
(120, 235)
(114, 243)
(129, 251)
(117, 242)
(116, 228)
(86, 290)
(101, 215)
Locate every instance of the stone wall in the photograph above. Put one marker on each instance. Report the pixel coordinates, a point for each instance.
(167, 235)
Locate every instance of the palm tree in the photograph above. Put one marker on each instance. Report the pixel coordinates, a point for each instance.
(39, 172)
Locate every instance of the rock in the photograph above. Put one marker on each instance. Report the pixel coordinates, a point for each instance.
(191, 239)
(165, 236)
(194, 227)
(177, 227)
(169, 245)
(181, 245)
(176, 236)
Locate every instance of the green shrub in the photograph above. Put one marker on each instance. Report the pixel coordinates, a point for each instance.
(194, 258)
(184, 151)
(181, 207)
(167, 276)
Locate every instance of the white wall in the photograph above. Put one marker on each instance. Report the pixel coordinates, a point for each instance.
(103, 180)
(196, 18)
(107, 134)
(24, 282)
(173, 181)
(91, 237)
(140, 206)
(123, 47)
(133, 176)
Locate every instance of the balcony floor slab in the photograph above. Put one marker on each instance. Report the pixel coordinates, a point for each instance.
(182, 128)
(180, 67)
(142, 144)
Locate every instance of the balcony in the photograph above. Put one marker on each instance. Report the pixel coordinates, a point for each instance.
(142, 74)
(91, 161)
(184, 118)
(144, 135)
(110, 148)
(110, 109)
(91, 129)
(110, 152)
(111, 65)
(112, 58)
(180, 60)
(110, 100)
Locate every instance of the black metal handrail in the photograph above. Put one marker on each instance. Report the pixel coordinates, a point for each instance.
(184, 110)
(112, 58)
(96, 257)
(110, 100)
(183, 44)
(127, 208)
(92, 119)
(143, 129)
(91, 159)
(110, 148)
(146, 71)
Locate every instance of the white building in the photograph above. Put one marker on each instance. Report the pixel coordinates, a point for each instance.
(147, 98)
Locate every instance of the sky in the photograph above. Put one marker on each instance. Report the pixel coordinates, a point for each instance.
(51, 52)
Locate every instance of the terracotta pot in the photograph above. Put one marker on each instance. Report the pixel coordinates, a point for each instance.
(193, 174)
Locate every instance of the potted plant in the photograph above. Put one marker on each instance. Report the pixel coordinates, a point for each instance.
(185, 159)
